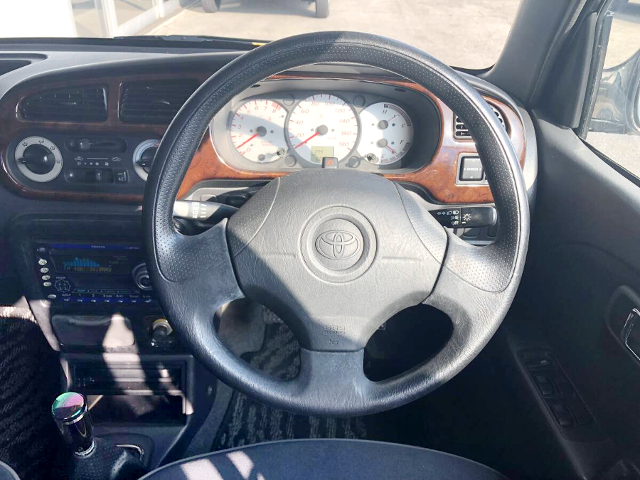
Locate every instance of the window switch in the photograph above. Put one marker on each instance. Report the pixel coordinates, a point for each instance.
(542, 378)
(545, 385)
(564, 386)
(546, 389)
(471, 169)
(583, 416)
(562, 414)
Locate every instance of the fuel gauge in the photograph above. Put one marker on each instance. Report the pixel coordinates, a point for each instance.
(387, 133)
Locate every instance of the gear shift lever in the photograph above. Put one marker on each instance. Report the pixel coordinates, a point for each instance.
(72, 416)
(94, 458)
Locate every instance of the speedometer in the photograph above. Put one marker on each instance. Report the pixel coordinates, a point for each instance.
(257, 131)
(387, 133)
(323, 125)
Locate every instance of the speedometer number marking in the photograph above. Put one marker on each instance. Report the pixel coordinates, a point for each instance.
(257, 131)
(323, 125)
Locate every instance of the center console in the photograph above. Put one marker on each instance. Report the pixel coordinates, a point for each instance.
(87, 284)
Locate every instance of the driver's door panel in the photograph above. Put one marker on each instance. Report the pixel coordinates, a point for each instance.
(583, 274)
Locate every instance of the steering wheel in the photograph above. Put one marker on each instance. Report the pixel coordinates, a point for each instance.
(335, 253)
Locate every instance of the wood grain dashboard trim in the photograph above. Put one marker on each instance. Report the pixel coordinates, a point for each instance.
(438, 176)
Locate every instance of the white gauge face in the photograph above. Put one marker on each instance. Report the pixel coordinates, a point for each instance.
(323, 125)
(257, 131)
(387, 133)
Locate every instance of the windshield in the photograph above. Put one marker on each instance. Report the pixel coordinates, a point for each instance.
(464, 33)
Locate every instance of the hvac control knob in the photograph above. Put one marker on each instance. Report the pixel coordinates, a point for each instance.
(146, 159)
(38, 159)
(143, 157)
(141, 277)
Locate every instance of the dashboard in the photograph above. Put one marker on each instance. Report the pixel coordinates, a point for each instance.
(80, 123)
(92, 136)
(79, 128)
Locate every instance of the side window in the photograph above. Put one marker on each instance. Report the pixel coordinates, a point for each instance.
(614, 127)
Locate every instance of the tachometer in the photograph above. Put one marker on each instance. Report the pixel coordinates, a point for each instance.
(387, 133)
(257, 130)
(323, 125)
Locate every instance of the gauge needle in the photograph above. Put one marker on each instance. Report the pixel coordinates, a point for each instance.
(244, 143)
(312, 136)
(391, 149)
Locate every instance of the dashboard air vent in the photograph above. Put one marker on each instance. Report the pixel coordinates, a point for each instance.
(77, 104)
(154, 102)
(461, 132)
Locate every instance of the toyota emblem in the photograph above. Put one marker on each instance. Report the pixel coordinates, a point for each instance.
(337, 245)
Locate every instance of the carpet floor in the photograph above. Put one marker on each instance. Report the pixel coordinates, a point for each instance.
(248, 421)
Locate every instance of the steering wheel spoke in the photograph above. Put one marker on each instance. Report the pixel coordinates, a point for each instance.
(330, 378)
(195, 278)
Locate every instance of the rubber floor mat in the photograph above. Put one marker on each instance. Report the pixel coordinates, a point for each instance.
(29, 382)
(248, 421)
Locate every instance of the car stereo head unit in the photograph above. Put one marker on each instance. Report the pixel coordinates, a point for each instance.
(89, 273)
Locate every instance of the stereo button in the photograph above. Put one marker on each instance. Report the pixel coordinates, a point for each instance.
(63, 285)
(42, 261)
(46, 277)
(44, 270)
(46, 284)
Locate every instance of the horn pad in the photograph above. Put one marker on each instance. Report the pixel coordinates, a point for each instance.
(338, 244)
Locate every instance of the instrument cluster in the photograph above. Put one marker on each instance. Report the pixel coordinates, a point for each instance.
(376, 127)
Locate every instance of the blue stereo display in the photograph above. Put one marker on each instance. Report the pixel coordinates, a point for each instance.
(83, 273)
(80, 263)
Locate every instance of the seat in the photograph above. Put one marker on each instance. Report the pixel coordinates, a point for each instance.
(321, 459)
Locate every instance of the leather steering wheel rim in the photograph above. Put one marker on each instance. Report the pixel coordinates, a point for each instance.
(269, 251)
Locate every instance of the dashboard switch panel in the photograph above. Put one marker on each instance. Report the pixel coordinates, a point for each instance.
(60, 162)
(471, 169)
